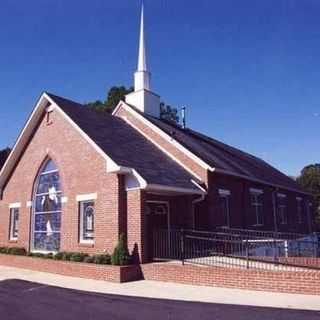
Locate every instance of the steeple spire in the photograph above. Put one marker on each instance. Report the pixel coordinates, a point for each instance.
(142, 63)
(142, 98)
(142, 76)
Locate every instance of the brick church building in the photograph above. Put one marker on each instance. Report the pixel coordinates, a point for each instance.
(76, 179)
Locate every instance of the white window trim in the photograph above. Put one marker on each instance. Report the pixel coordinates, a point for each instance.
(281, 206)
(86, 197)
(81, 239)
(256, 191)
(256, 204)
(224, 192)
(29, 204)
(64, 199)
(14, 205)
(281, 195)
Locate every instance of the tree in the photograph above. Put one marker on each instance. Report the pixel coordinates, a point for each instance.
(168, 113)
(115, 94)
(4, 155)
(309, 179)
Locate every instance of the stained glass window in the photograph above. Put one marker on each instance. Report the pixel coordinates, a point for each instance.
(86, 221)
(47, 209)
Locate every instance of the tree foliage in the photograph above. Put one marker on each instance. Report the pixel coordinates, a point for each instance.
(169, 113)
(309, 179)
(115, 94)
(4, 155)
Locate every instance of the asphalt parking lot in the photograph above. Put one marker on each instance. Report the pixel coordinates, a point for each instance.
(22, 300)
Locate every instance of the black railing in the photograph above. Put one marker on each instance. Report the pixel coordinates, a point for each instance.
(260, 233)
(234, 250)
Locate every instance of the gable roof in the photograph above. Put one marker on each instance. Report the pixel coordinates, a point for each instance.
(116, 140)
(126, 146)
(224, 158)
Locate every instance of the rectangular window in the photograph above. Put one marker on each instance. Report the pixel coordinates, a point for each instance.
(282, 208)
(257, 205)
(86, 209)
(224, 207)
(299, 210)
(14, 223)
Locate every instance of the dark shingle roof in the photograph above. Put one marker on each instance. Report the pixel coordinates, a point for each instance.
(225, 157)
(126, 146)
(3, 156)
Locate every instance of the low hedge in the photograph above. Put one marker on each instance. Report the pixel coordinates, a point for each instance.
(120, 255)
(63, 255)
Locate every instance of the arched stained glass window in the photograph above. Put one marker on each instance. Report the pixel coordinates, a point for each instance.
(47, 209)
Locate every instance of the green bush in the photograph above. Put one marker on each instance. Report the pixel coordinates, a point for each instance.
(3, 250)
(88, 259)
(66, 256)
(36, 255)
(102, 259)
(120, 255)
(17, 251)
(58, 256)
(78, 256)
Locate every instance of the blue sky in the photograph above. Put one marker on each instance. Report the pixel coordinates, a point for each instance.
(248, 71)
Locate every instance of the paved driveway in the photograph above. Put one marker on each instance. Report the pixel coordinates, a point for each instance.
(27, 300)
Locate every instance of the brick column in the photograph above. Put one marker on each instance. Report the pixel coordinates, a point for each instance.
(137, 225)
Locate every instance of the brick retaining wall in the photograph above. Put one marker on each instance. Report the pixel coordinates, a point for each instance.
(74, 269)
(303, 282)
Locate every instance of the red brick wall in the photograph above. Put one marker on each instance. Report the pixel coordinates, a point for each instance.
(82, 171)
(303, 282)
(74, 269)
(136, 224)
(209, 216)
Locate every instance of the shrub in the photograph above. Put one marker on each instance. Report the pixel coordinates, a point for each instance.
(78, 256)
(67, 255)
(3, 250)
(120, 255)
(17, 251)
(102, 259)
(88, 259)
(36, 254)
(58, 256)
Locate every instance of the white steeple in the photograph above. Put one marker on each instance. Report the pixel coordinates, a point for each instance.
(142, 98)
(142, 76)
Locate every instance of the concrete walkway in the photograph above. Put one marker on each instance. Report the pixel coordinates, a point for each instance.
(171, 291)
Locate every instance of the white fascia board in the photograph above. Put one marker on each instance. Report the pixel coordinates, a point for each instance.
(14, 205)
(22, 139)
(158, 187)
(86, 197)
(163, 135)
(258, 181)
